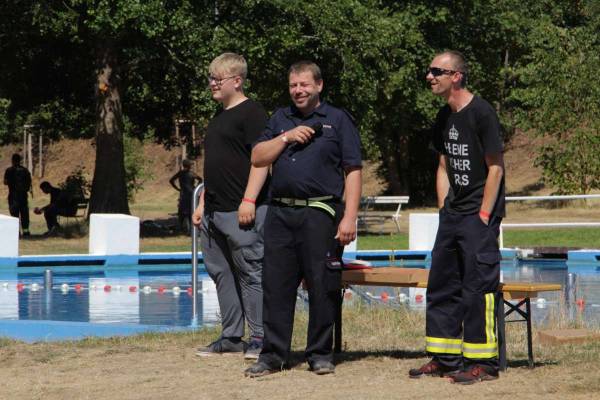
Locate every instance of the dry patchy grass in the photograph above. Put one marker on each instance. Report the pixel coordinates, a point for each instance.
(381, 344)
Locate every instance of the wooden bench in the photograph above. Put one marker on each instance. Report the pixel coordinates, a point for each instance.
(415, 277)
(368, 203)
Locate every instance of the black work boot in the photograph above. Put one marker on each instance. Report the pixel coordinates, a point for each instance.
(475, 373)
(432, 368)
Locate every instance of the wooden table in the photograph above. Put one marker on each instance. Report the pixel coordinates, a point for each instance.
(416, 277)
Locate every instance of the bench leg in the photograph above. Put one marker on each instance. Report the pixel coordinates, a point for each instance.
(337, 329)
(501, 318)
(529, 335)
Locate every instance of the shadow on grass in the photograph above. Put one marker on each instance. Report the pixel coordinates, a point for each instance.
(297, 357)
(525, 364)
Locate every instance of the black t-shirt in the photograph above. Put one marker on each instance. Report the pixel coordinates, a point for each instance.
(18, 179)
(465, 137)
(187, 180)
(228, 145)
(317, 168)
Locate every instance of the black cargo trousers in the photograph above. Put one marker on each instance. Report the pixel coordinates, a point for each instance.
(300, 244)
(462, 291)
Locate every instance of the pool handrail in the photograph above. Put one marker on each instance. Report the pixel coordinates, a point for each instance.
(195, 197)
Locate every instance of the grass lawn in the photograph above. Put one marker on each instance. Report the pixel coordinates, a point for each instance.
(522, 238)
(380, 346)
(570, 237)
(576, 237)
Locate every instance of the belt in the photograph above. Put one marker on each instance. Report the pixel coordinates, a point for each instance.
(315, 202)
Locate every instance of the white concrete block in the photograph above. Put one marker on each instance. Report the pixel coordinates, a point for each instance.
(9, 236)
(210, 302)
(112, 234)
(422, 231)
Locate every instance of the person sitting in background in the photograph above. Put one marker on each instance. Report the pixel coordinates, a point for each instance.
(187, 182)
(60, 204)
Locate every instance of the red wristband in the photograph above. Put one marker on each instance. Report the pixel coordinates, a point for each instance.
(484, 214)
(247, 200)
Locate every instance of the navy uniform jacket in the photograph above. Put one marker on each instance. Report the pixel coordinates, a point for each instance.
(314, 169)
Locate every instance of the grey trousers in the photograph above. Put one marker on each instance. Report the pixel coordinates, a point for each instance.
(233, 257)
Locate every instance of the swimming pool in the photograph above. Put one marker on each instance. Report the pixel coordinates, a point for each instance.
(129, 299)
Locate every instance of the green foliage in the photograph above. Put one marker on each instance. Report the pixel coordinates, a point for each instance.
(137, 167)
(572, 165)
(532, 59)
(77, 185)
(4, 120)
(559, 102)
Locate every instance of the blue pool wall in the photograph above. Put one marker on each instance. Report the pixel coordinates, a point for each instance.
(149, 261)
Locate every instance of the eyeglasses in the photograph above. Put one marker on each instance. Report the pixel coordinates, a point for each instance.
(435, 71)
(218, 81)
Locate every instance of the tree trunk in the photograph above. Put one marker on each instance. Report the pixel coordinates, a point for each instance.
(109, 188)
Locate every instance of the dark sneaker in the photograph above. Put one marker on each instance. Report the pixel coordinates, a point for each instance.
(432, 368)
(223, 346)
(474, 374)
(259, 369)
(253, 350)
(322, 367)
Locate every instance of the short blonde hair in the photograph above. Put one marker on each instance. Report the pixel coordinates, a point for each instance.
(230, 64)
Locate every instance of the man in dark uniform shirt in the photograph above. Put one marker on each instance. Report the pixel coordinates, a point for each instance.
(314, 149)
(462, 292)
(18, 180)
(187, 180)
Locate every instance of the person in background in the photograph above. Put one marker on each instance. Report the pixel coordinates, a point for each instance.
(187, 180)
(60, 204)
(18, 180)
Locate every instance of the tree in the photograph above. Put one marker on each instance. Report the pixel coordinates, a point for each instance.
(558, 101)
(126, 49)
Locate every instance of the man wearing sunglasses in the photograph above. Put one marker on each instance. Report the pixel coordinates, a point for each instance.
(232, 209)
(462, 292)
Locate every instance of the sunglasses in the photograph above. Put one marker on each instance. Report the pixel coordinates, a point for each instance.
(435, 71)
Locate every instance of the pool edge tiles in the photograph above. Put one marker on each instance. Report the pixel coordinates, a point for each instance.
(150, 259)
(52, 331)
(584, 256)
(97, 261)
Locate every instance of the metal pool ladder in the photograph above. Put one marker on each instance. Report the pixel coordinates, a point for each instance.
(195, 197)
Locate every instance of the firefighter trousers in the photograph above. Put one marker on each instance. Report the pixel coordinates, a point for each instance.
(300, 244)
(462, 292)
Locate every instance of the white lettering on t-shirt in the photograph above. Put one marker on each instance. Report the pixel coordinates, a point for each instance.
(459, 164)
(461, 180)
(457, 149)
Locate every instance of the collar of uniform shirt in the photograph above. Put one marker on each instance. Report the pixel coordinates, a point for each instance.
(320, 110)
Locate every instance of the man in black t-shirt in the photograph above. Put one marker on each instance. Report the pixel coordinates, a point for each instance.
(18, 180)
(187, 180)
(462, 292)
(232, 209)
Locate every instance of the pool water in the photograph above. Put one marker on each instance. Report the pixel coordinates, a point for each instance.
(132, 296)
